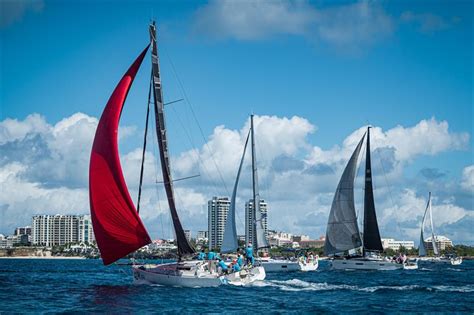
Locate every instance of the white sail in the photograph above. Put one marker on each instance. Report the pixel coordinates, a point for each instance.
(230, 242)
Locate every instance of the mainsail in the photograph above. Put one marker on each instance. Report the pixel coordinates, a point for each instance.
(184, 247)
(372, 241)
(230, 242)
(260, 237)
(422, 248)
(342, 233)
(117, 227)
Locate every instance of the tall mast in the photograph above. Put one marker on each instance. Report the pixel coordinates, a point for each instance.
(371, 238)
(259, 232)
(183, 245)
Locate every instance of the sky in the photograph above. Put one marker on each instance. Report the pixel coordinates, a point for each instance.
(314, 73)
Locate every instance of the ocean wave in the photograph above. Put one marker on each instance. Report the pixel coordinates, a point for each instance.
(300, 285)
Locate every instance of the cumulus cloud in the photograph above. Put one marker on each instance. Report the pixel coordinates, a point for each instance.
(341, 25)
(44, 166)
(428, 137)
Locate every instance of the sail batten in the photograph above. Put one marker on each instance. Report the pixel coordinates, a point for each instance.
(184, 248)
(372, 241)
(342, 233)
(230, 241)
(117, 227)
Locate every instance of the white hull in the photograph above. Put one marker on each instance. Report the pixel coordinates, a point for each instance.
(188, 274)
(245, 277)
(277, 265)
(364, 264)
(310, 265)
(456, 261)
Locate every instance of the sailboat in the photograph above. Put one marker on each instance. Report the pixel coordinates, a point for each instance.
(229, 244)
(422, 251)
(344, 243)
(230, 241)
(118, 227)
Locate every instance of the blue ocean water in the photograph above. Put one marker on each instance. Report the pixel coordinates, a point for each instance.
(30, 285)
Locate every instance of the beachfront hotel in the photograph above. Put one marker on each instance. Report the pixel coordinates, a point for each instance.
(54, 230)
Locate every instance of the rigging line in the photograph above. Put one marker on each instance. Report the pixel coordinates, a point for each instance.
(144, 145)
(198, 159)
(196, 120)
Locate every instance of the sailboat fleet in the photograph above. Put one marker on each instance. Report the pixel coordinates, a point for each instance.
(119, 230)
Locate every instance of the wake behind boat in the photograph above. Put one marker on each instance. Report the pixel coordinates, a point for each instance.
(344, 242)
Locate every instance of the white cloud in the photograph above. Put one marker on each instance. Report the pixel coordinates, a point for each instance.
(44, 167)
(428, 137)
(12, 129)
(467, 181)
(354, 24)
(345, 25)
(250, 20)
(21, 199)
(275, 136)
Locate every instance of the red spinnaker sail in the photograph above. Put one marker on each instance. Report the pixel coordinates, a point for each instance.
(117, 227)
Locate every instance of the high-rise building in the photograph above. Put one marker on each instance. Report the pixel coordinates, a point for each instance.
(86, 233)
(249, 220)
(218, 207)
(53, 230)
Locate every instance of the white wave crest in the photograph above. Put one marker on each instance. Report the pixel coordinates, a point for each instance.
(300, 285)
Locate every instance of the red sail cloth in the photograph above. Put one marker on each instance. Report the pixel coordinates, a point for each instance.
(117, 227)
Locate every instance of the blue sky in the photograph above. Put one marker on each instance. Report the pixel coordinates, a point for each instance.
(338, 65)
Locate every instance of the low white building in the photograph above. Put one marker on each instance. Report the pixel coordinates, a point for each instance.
(279, 238)
(390, 243)
(442, 242)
